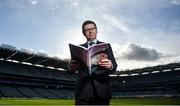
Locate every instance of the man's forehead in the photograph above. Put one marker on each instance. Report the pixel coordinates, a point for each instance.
(89, 26)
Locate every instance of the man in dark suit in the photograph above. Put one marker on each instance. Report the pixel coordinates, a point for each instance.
(93, 89)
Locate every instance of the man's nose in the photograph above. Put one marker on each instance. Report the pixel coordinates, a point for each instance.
(91, 30)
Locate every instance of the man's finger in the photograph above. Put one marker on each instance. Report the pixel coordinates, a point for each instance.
(105, 60)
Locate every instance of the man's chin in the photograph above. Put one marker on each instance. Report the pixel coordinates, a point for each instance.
(90, 38)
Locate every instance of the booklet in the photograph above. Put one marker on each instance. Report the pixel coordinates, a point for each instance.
(89, 56)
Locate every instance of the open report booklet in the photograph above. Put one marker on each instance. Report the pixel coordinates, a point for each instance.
(89, 56)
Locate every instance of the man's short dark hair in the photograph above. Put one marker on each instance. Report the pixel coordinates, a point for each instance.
(88, 22)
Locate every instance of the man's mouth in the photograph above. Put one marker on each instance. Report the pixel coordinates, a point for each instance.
(91, 34)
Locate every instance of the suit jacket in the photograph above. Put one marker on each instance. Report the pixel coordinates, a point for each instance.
(96, 85)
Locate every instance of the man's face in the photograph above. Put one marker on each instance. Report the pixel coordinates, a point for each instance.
(90, 31)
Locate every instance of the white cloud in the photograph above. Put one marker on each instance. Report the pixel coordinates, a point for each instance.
(175, 2)
(73, 36)
(114, 22)
(127, 64)
(75, 3)
(131, 56)
(34, 2)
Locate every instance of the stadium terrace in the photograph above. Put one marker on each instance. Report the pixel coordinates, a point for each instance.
(25, 74)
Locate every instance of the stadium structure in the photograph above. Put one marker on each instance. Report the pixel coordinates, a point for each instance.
(25, 74)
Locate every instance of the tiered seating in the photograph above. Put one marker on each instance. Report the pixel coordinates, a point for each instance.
(28, 92)
(28, 81)
(44, 92)
(32, 71)
(160, 84)
(68, 93)
(10, 91)
(58, 92)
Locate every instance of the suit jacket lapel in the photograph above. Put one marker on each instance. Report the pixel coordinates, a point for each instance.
(98, 42)
(85, 45)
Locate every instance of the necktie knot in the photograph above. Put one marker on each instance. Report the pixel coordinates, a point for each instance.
(91, 43)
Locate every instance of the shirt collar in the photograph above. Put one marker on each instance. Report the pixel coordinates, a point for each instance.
(95, 41)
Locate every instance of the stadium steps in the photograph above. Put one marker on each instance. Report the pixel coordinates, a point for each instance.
(10, 91)
(1, 94)
(29, 93)
(54, 92)
(58, 92)
(44, 92)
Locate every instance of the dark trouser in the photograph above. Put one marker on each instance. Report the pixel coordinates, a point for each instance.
(104, 102)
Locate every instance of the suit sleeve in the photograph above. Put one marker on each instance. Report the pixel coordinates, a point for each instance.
(111, 57)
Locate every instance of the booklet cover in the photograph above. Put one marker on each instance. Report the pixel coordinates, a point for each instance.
(89, 56)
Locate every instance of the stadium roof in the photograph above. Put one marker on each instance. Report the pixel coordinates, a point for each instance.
(148, 70)
(8, 52)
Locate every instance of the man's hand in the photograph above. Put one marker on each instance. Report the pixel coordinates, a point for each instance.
(105, 63)
(73, 66)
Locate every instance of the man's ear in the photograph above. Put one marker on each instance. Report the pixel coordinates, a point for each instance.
(83, 33)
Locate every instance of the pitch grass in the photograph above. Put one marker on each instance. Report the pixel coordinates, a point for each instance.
(51, 102)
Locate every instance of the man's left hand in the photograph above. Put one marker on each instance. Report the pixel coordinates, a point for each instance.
(105, 63)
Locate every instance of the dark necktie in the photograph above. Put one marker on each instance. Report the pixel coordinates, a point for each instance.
(91, 43)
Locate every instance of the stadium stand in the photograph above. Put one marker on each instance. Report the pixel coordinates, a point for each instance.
(25, 74)
(159, 84)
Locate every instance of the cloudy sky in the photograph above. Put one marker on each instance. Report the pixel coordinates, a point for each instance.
(141, 32)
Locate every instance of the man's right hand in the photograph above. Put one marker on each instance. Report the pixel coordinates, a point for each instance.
(73, 66)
